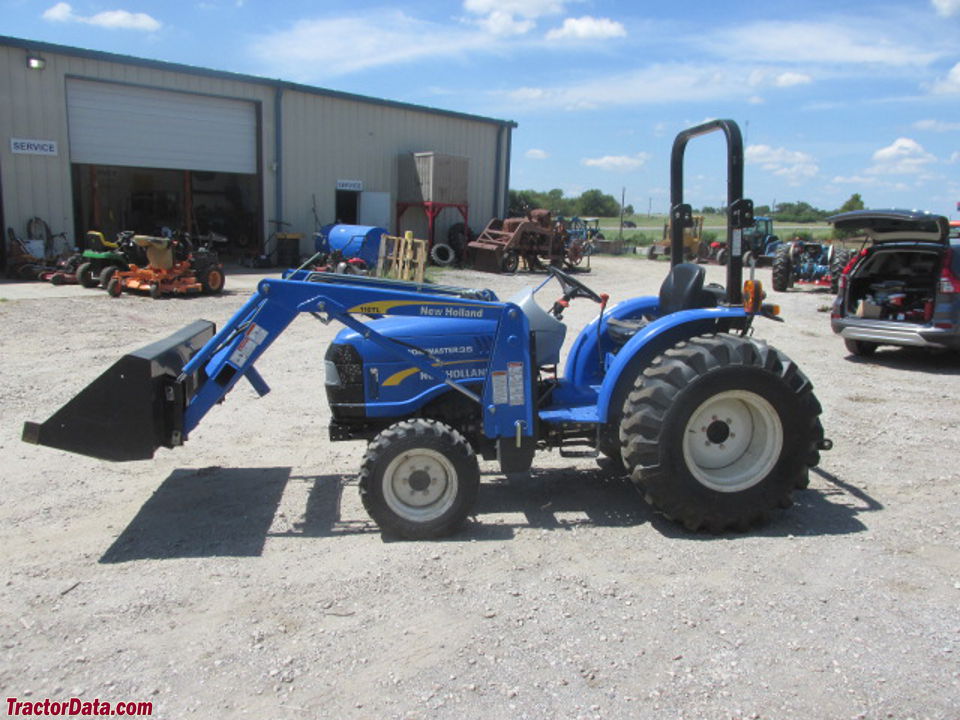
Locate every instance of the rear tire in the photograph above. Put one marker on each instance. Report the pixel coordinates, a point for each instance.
(107, 274)
(719, 431)
(782, 273)
(839, 262)
(860, 348)
(85, 275)
(419, 479)
(722, 256)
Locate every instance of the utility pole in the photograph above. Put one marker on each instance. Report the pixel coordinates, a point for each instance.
(623, 199)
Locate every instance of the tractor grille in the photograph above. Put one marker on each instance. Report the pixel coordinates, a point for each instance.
(344, 382)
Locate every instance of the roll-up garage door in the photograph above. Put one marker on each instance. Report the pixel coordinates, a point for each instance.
(113, 124)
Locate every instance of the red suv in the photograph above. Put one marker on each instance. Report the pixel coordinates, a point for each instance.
(903, 287)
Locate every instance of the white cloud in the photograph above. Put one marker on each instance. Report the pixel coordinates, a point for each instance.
(815, 43)
(349, 44)
(791, 164)
(524, 8)
(950, 84)
(587, 28)
(789, 79)
(955, 158)
(776, 78)
(937, 125)
(618, 163)
(902, 157)
(536, 154)
(511, 17)
(946, 8)
(111, 19)
(502, 24)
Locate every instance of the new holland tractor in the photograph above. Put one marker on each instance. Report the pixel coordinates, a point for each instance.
(717, 428)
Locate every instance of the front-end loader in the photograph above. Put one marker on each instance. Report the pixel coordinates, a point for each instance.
(718, 428)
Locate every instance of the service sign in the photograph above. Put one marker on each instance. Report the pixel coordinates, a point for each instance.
(22, 146)
(355, 185)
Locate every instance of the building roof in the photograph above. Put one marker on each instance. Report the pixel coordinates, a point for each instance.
(37, 46)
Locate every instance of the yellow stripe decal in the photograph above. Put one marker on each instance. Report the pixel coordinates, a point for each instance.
(399, 377)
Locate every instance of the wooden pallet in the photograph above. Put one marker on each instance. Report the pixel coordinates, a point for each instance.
(402, 258)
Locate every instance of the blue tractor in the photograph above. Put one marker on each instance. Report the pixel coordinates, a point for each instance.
(804, 262)
(760, 243)
(718, 428)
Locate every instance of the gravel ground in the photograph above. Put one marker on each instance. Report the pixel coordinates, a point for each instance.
(240, 577)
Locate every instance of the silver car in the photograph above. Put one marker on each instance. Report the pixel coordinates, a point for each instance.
(903, 287)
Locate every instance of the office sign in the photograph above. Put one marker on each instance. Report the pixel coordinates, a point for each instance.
(354, 185)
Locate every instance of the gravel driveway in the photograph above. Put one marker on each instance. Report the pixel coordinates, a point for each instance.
(240, 577)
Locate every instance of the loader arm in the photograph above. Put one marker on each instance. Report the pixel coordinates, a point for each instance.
(159, 394)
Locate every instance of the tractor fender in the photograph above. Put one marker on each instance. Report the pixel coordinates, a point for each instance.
(651, 341)
(582, 369)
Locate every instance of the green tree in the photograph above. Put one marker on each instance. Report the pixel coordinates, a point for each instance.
(596, 202)
(854, 203)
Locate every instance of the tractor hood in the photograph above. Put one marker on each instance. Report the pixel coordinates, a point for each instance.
(893, 225)
(443, 337)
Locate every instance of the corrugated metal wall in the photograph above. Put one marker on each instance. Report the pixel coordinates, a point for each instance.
(329, 139)
(325, 139)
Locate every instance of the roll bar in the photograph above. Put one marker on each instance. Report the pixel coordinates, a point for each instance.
(739, 209)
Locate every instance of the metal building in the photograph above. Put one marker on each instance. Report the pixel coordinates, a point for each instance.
(100, 141)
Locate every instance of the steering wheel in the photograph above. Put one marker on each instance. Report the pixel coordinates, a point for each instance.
(572, 288)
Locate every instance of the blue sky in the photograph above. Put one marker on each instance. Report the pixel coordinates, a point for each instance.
(833, 97)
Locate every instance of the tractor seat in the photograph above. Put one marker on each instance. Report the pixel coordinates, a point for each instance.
(159, 251)
(683, 289)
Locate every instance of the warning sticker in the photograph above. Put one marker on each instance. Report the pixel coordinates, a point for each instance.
(515, 377)
(499, 380)
(251, 341)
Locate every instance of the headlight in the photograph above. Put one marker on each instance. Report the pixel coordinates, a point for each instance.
(331, 374)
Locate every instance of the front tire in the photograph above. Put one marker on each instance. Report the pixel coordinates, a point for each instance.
(719, 431)
(510, 262)
(419, 479)
(212, 281)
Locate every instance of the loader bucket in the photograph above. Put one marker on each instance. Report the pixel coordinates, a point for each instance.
(131, 409)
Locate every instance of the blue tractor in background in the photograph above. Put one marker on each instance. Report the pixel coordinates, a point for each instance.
(760, 243)
(808, 263)
(716, 427)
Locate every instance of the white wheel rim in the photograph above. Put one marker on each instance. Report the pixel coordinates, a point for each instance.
(732, 441)
(420, 485)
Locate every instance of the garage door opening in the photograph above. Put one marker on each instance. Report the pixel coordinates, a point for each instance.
(111, 199)
(150, 158)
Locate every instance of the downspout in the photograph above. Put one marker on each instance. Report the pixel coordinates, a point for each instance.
(497, 193)
(506, 173)
(278, 152)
